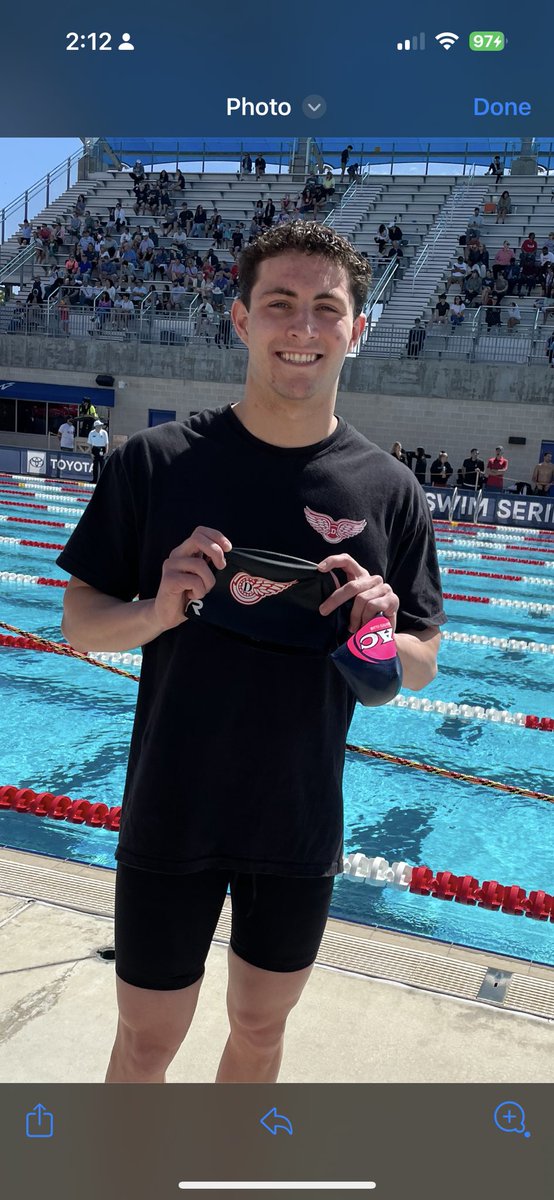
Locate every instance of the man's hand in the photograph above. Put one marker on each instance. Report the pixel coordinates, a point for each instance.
(186, 575)
(370, 594)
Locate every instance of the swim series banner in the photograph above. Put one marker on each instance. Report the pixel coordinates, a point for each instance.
(531, 512)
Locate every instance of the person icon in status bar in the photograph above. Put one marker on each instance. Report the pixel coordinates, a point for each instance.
(126, 43)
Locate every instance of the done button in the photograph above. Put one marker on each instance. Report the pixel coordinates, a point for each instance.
(500, 108)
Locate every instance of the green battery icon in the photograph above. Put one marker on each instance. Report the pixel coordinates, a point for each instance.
(483, 39)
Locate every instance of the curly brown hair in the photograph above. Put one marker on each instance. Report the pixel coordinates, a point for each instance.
(305, 237)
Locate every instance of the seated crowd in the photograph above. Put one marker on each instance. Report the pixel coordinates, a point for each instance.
(111, 264)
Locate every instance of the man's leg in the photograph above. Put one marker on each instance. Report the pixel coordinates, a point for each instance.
(151, 1027)
(164, 925)
(278, 923)
(258, 1004)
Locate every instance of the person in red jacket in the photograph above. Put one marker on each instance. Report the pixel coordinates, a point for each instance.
(496, 469)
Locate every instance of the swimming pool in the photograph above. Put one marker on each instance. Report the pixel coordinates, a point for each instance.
(70, 723)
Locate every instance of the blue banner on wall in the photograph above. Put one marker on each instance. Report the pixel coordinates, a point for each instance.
(531, 512)
(56, 393)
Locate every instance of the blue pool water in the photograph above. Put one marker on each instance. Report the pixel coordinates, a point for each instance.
(70, 723)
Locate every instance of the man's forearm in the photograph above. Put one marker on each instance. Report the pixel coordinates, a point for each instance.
(418, 658)
(93, 621)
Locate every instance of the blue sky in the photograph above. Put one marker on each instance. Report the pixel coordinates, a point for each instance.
(23, 161)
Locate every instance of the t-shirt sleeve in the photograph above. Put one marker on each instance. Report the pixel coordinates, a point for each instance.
(104, 549)
(414, 574)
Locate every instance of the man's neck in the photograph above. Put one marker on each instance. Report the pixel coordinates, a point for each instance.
(279, 427)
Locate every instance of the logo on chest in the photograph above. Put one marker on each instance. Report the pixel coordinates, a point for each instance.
(250, 589)
(333, 531)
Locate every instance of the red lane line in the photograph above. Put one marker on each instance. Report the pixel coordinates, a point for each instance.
(36, 521)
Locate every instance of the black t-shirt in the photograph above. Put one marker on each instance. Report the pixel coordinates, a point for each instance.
(237, 751)
(471, 466)
(442, 308)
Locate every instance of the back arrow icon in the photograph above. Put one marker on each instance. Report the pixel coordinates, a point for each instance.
(273, 1121)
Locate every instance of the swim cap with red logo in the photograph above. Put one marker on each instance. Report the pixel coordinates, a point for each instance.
(370, 664)
(273, 600)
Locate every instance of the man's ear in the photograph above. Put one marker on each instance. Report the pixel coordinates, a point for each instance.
(357, 330)
(239, 317)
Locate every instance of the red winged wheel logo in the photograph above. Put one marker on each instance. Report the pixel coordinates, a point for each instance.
(250, 589)
(333, 531)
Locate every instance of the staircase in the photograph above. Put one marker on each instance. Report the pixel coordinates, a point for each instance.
(413, 293)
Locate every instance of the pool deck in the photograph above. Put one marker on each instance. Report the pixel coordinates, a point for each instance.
(380, 1007)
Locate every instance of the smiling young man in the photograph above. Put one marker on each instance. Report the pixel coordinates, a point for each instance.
(236, 761)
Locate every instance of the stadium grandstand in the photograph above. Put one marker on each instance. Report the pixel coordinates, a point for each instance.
(129, 269)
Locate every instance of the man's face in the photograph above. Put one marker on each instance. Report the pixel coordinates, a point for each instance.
(299, 327)
(548, 458)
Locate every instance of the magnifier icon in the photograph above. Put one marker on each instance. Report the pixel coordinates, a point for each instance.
(509, 1117)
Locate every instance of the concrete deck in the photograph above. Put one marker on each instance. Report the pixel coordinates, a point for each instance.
(58, 1008)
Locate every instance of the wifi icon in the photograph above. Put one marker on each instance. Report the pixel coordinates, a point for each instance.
(447, 40)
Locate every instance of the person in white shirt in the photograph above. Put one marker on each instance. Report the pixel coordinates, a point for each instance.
(99, 444)
(66, 434)
(514, 315)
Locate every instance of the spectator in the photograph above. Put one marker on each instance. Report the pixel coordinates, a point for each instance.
(179, 180)
(66, 434)
(344, 160)
(204, 323)
(496, 469)
(178, 293)
(472, 469)
(353, 171)
(199, 221)
(492, 314)
(124, 310)
(502, 258)
(397, 452)
(503, 208)
(395, 232)
(500, 288)
(543, 475)
(25, 233)
(550, 350)
(381, 238)
(237, 236)
(246, 164)
(328, 185)
(119, 216)
(441, 470)
(496, 168)
(416, 339)
(528, 274)
(63, 314)
(98, 442)
(548, 281)
(269, 213)
(87, 415)
(137, 174)
(223, 332)
(457, 312)
(512, 273)
(472, 288)
(442, 310)
(259, 166)
(458, 272)
(514, 316)
(420, 464)
(529, 247)
(475, 224)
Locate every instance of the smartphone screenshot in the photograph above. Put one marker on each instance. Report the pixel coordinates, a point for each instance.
(276, 608)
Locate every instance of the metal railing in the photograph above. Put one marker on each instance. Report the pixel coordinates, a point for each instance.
(380, 295)
(22, 204)
(17, 264)
(444, 223)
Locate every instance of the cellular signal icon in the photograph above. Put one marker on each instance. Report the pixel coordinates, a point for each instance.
(413, 43)
(446, 40)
